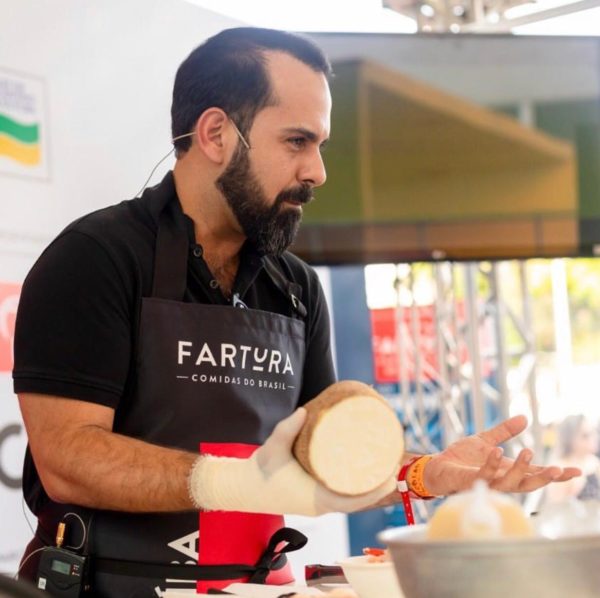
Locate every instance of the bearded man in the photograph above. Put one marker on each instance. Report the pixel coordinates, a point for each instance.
(165, 346)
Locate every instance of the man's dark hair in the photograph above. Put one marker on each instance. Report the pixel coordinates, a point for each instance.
(228, 71)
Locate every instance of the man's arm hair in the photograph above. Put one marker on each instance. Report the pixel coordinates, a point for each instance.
(80, 460)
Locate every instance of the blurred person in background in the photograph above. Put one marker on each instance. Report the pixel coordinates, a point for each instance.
(576, 446)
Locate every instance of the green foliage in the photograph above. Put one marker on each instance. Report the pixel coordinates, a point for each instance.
(583, 288)
(583, 285)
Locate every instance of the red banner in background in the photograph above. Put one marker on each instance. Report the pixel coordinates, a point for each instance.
(9, 299)
(384, 331)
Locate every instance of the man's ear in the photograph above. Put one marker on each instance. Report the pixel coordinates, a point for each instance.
(211, 135)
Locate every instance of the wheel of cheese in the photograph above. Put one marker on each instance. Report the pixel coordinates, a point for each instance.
(352, 441)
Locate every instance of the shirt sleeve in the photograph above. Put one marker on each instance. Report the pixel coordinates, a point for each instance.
(318, 365)
(74, 324)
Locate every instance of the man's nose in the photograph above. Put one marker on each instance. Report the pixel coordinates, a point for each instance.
(314, 173)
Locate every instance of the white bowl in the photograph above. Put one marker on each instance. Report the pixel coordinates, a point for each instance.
(371, 580)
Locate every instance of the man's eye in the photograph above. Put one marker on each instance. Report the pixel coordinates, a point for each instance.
(297, 142)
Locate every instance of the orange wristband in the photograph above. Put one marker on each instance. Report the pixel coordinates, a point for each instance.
(414, 477)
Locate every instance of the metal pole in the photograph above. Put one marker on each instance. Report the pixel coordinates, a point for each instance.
(416, 345)
(501, 355)
(442, 349)
(536, 429)
(444, 306)
(477, 399)
(459, 394)
(421, 439)
(403, 380)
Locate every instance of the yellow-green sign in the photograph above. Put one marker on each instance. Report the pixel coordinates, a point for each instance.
(23, 130)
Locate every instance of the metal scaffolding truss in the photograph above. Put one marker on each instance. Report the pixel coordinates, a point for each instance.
(468, 389)
(483, 16)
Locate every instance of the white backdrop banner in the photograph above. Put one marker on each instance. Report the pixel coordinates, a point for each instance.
(15, 530)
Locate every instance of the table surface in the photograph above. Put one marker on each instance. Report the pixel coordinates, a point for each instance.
(250, 590)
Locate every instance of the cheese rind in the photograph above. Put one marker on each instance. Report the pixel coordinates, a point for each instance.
(352, 441)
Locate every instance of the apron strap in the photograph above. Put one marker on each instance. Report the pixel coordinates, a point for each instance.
(272, 559)
(170, 259)
(283, 540)
(292, 290)
(162, 571)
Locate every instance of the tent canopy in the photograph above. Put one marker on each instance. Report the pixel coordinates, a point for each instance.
(415, 173)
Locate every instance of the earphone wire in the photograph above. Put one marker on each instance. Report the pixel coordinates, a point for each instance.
(25, 515)
(154, 170)
(85, 531)
(162, 160)
(235, 127)
(16, 576)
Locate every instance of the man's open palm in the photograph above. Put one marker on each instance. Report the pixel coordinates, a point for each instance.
(479, 457)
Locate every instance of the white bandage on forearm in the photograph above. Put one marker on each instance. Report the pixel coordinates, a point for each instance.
(271, 481)
(230, 484)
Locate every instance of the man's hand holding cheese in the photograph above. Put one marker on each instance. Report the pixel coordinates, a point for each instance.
(339, 453)
(272, 481)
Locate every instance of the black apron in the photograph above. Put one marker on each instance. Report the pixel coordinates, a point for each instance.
(215, 379)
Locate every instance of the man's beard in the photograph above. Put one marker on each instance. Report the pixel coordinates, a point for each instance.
(271, 229)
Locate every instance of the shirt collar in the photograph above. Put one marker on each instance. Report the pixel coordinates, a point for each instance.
(165, 193)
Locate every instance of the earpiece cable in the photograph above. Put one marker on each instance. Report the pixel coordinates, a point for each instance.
(238, 132)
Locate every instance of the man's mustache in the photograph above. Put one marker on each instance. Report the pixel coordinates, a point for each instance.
(303, 195)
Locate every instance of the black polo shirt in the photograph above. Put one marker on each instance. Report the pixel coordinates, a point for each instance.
(79, 311)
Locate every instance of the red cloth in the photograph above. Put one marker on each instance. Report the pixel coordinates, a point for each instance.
(230, 537)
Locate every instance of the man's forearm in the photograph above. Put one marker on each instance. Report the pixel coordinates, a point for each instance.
(104, 470)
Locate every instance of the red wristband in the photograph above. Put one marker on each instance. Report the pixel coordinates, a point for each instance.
(406, 493)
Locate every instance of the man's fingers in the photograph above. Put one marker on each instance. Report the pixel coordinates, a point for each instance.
(277, 449)
(518, 480)
(521, 476)
(489, 470)
(504, 431)
(568, 473)
(287, 429)
(514, 475)
(538, 480)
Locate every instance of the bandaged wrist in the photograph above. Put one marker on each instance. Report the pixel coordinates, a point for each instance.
(231, 484)
(211, 483)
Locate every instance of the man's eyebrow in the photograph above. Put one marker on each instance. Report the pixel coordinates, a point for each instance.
(310, 135)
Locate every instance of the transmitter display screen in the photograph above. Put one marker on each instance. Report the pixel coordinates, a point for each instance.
(61, 567)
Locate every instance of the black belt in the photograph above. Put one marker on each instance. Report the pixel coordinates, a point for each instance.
(272, 559)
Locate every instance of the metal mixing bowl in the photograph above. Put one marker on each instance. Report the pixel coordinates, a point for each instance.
(523, 568)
